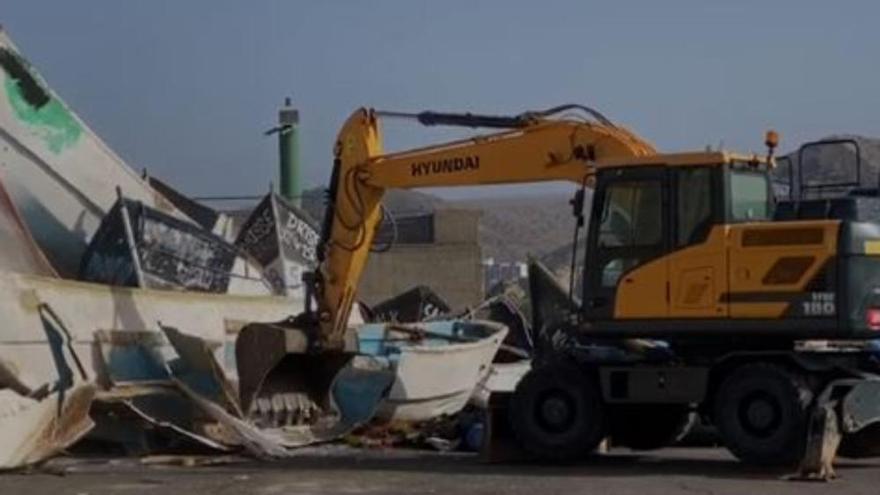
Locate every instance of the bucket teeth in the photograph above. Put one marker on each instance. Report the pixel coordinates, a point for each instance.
(284, 409)
(290, 407)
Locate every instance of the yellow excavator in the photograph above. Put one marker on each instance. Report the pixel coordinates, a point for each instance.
(689, 252)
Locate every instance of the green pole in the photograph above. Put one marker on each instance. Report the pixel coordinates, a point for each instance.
(288, 151)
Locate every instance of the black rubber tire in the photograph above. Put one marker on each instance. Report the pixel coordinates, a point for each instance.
(557, 413)
(761, 411)
(649, 427)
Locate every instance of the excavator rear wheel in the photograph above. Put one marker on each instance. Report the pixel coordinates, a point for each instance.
(761, 411)
(557, 412)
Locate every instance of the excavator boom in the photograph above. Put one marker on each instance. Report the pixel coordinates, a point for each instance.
(533, 149)
(294, 361)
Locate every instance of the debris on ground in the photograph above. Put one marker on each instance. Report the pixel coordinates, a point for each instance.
(191, 460)
(37, 422)
(156, 290)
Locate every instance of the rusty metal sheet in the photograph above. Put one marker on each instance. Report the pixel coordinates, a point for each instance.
(198, 356)
(37, 422)
(149, 381)
(255, 441)
(34, 430)
(138, 369)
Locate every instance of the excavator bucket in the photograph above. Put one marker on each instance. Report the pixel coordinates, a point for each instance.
(283, 380)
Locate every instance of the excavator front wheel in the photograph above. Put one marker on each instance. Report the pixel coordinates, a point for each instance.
(762, 412)
(557, 413)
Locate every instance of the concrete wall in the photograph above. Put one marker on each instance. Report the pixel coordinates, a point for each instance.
(451, 265)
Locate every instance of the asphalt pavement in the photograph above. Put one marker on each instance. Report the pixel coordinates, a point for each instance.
(344, 470)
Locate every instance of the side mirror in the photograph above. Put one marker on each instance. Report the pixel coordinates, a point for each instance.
(577, 203)
(577, 206)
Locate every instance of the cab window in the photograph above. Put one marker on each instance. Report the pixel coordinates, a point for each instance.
(693, 204)
(632, 221)
(749, 196)
(632, 215)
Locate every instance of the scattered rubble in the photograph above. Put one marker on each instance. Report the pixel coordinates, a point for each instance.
(37, 422)
(140, 261)
(148, 328)
(34, 430)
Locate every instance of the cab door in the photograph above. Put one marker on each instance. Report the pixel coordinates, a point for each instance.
(698, 261)
(626, 275)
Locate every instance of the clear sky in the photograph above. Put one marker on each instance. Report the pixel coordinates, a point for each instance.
(186, 88)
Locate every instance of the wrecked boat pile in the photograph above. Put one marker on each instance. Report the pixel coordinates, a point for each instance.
(123, 301)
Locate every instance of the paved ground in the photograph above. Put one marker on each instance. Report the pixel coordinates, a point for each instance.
(342, 470)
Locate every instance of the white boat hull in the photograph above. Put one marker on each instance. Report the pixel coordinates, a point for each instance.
(86, 308)
(435, 379)
(60, 174)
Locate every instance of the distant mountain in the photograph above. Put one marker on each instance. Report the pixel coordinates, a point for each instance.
(558, 259)
(400, 202)
(512, 228)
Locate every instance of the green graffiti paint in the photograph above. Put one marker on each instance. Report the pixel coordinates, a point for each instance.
(52, 121)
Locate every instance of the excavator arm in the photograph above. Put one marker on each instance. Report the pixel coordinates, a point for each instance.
(531, 148)
(287, 369)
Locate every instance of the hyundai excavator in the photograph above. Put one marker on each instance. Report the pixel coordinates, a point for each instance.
(727, 292)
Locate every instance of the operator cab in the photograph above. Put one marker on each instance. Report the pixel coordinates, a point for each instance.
(698, 245)
(645, 211)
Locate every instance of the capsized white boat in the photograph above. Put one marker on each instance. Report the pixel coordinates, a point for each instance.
(31, 295)
(437, 364)
(64, 179)
(60, 174)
